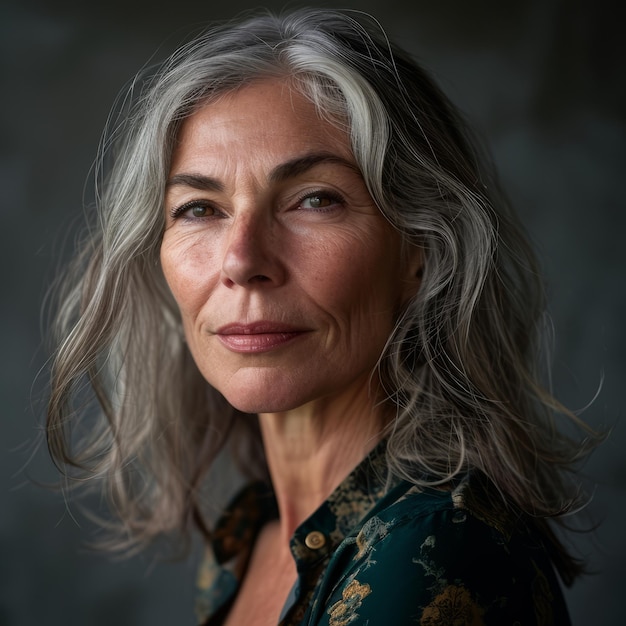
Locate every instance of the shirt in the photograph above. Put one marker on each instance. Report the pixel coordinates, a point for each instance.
(380, 554)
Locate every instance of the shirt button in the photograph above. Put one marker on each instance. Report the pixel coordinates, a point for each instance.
(315, 540)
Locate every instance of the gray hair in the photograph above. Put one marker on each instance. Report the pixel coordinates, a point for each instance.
(461, 365)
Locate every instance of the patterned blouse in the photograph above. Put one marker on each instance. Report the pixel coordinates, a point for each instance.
(391, 555)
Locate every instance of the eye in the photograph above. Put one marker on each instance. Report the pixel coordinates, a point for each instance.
(196, 209)
(320, 201)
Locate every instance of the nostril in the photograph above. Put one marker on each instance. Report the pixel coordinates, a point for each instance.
(259, 278)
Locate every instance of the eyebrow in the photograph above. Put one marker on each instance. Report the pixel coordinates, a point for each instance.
(284, 171)
(302, 164)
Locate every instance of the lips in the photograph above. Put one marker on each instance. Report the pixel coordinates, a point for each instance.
(258, 337)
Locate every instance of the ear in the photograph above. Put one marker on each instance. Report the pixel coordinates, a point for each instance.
(413, 271)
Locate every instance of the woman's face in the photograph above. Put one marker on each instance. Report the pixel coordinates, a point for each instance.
(287, 276)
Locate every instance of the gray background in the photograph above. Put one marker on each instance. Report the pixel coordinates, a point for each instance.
(540, 79)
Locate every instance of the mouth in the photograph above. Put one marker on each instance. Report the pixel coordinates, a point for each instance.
(258, 337)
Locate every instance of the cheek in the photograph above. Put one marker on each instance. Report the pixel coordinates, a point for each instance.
(357, 277)
(190, 270)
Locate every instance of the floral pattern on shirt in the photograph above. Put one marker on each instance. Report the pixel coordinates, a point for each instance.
(344, 612)
(394, 554)
(453, 606)
(373, 530)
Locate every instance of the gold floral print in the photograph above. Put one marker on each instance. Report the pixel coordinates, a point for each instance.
(345, 611)
(350, 502)
(373, 530)
(454, 606)
(406, 548)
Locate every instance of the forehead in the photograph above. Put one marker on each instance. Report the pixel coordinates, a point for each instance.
(264, 118)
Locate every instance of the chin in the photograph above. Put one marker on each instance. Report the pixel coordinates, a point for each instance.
(254, 405)
(266, 400)
(263, 390)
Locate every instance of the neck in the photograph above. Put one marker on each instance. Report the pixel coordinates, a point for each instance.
(310, 450)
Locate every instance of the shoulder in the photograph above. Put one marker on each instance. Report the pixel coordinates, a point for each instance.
(436, 557)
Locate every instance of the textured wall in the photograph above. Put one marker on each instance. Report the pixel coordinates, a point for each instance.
(541, 80)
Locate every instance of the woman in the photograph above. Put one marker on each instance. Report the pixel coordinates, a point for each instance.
(299, 253)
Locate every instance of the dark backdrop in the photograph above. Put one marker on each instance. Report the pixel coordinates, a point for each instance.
(540, 79)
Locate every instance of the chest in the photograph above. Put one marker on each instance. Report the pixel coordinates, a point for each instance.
(269, 578)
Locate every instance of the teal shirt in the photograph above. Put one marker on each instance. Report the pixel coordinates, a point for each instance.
(392, 555)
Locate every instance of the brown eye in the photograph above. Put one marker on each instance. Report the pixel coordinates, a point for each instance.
(320, 201)
(194, 210)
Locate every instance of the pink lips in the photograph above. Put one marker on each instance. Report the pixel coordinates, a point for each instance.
(257, 337)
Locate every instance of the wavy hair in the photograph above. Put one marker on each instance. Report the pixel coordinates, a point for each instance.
(461, 366)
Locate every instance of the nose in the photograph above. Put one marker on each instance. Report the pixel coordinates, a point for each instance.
(251, 255)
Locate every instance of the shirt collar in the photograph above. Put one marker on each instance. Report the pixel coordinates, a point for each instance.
(313, 541)
(349, 503)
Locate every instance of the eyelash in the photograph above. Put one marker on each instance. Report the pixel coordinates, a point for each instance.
(179, 211)
(335, 198)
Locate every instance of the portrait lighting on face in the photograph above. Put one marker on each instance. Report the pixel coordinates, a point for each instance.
(288, 277)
